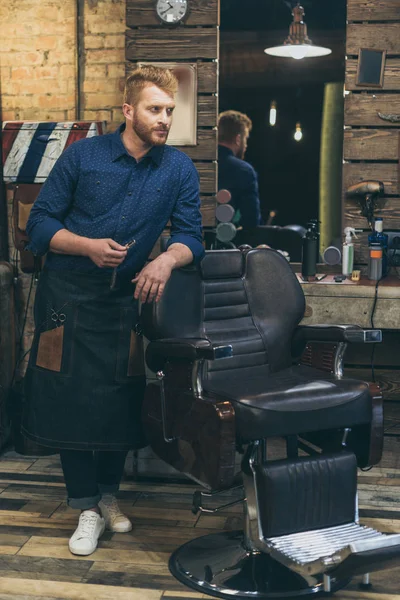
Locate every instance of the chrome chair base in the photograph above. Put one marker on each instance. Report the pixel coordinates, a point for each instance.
(219, 565)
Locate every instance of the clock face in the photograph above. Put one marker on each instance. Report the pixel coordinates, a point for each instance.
(171, 11)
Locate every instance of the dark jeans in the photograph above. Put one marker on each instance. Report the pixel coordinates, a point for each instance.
(89, 474)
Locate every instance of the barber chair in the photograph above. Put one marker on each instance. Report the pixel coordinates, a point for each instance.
(234, 369)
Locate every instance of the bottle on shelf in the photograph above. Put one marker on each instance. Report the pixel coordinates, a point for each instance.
(314, 225)
(310, 251)
(378, 237)
(375, 261)
(348, 251)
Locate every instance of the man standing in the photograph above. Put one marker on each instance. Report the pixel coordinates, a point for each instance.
(234, 173)
(100, 212)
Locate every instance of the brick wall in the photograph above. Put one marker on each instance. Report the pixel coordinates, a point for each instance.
(42, 77)
(38, 57)
(103, 64)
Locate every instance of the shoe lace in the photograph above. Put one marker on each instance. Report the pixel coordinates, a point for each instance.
(87, 523)
(112, 506)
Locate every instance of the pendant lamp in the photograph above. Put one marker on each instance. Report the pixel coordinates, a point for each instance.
(298, 45)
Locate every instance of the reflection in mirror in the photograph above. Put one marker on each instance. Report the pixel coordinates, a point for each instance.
(296, 107)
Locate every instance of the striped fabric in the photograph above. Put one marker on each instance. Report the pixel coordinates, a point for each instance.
(30, 149)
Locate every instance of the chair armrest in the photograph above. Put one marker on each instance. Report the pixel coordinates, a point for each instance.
(160, 351)
(304, 334)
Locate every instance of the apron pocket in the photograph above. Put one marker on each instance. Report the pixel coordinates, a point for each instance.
(136, 356)
(50, 349)
(130, 354)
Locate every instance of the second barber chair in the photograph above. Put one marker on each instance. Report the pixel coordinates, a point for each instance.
(280, 238)
(234, 370)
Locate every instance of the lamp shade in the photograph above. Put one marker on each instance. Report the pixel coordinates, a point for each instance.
(298, 45)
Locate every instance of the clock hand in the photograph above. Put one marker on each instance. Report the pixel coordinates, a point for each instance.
(168, 9)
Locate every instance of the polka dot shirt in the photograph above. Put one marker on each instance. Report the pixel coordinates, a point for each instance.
(97, 190)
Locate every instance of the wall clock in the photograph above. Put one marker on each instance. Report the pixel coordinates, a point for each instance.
(171, 12)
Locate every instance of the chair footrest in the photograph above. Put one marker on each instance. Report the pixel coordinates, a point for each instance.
(321, 551)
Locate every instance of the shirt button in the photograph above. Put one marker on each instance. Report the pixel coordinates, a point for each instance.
(123, 217)
(129, 193)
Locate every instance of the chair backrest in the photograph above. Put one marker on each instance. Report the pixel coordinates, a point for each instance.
(251, 300)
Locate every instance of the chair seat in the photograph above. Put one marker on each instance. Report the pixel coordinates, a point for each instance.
(295, 400)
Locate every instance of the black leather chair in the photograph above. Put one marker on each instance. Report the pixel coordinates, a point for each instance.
(234, 369)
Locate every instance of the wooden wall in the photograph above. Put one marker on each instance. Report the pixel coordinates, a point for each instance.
(197, 40)
(371, 145)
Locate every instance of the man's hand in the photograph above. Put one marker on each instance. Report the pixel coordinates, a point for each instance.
(106, 252)
(151, 280)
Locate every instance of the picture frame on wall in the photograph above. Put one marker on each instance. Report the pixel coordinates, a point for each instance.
(371, 67)
(183, 130)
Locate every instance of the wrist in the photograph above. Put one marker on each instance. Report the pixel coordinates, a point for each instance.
(169, 258)
(86, 246)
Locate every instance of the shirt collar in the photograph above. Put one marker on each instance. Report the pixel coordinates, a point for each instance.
(118, 149)
(224, 150)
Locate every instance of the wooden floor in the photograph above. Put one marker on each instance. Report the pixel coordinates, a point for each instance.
(35, 525)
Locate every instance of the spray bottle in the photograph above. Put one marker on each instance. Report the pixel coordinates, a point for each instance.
(348, 251)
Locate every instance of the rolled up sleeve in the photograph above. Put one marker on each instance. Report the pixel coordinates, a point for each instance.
(186, 217)
(54, 201)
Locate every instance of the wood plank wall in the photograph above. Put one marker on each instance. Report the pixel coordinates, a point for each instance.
(196, 40)
(371, 151)
(371, 145)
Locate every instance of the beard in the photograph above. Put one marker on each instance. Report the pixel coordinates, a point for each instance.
(241, 152)
(149, 135)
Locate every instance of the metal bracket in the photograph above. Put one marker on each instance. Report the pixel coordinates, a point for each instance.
(346, 432)
(339, 356)
(197, 505)
(160, 376)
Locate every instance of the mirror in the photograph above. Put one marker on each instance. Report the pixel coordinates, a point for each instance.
(300, 152)
(370, 68)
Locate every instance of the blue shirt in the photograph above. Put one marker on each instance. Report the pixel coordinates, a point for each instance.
(97, 190)
(239, 177)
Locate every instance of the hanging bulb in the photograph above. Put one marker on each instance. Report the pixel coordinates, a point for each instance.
(298, 134)
(272, 113)
(298, 52)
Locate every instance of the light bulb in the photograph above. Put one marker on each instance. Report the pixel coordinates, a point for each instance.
(299, 52)
(272, 114)
(298, 134)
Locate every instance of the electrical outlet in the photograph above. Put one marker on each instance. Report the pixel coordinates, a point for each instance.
(393, 247)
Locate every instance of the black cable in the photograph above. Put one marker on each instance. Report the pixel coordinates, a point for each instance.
(365, 469)
(373, 327)
(389, 265)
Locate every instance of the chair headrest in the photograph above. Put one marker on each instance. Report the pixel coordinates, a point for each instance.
(222, 264)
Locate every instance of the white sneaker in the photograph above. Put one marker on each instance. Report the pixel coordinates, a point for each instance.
(115, 520)
(90, 527)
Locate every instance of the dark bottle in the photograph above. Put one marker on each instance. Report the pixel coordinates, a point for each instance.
(378, 237)
(310, 251)
(314, 224)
